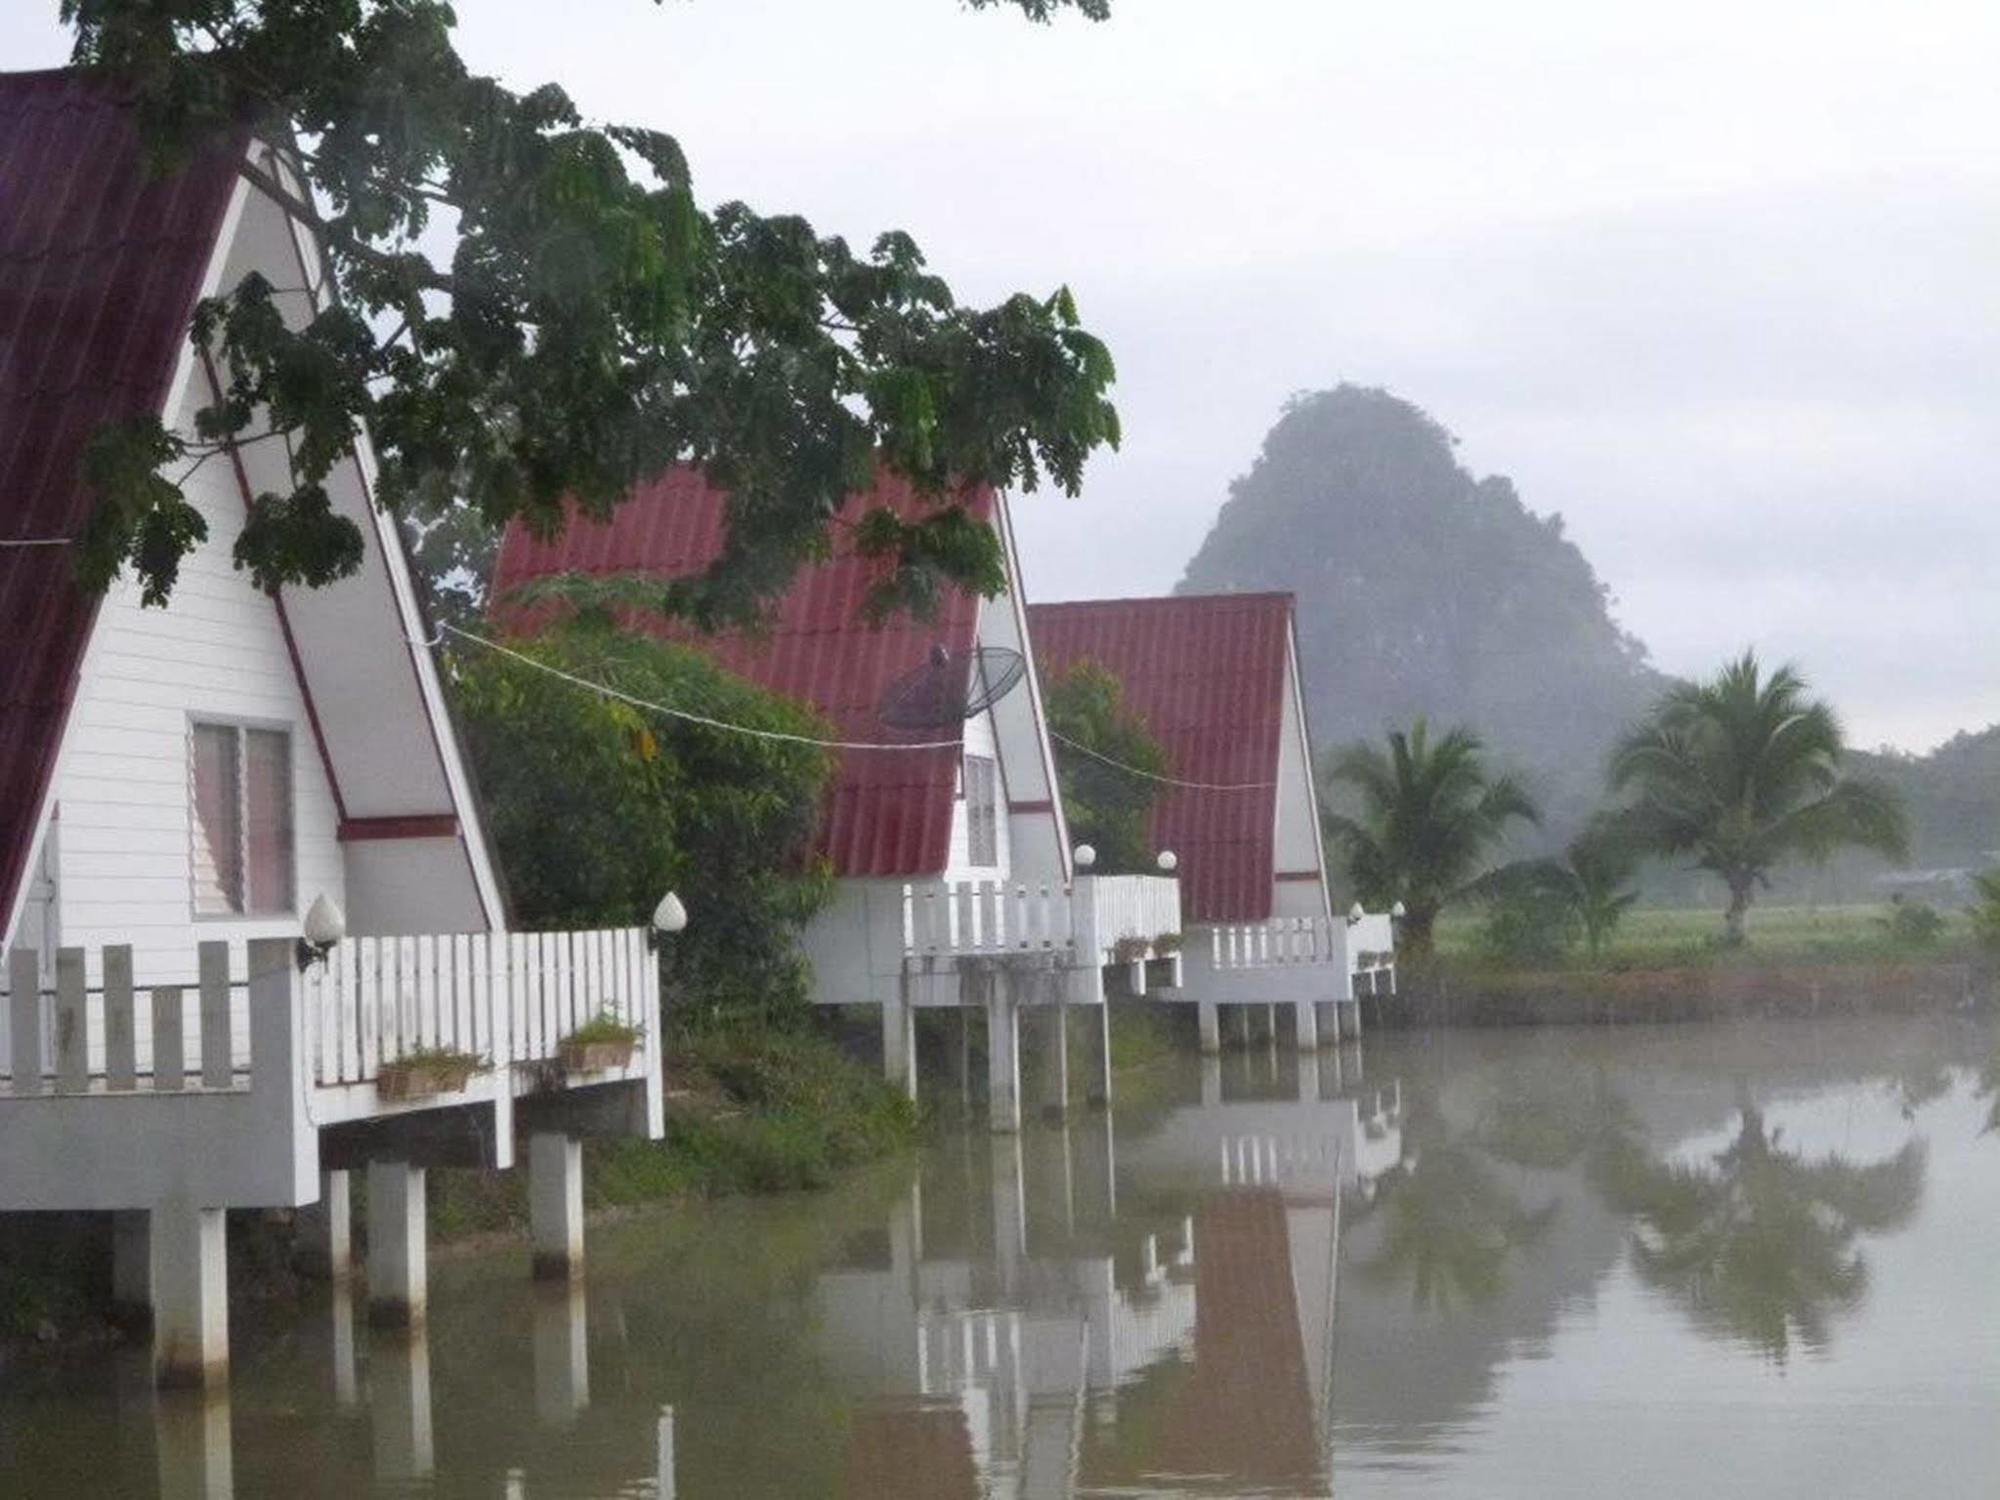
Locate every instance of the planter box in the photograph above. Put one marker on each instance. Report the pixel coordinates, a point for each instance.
(595, 1057)
(404, 1082)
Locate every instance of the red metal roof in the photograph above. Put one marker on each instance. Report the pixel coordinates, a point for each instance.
(100, 265)
(888, 812)
(1207, 676)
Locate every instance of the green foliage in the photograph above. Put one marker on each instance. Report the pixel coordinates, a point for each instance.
(586, 324)
(1913, 923)
(1986, 910)
(1538, 909)
(1426, 589)
(597, 808)
(1527, 923)
(1107, 806)
(1430, 813)
(1743, 772)
(606, 1027)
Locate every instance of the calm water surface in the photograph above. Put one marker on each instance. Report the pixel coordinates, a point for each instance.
(1741, 1261)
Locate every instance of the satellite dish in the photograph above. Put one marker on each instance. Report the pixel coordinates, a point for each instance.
(952, 686)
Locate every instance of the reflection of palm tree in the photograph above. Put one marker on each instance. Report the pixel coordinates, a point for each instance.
(1759, 1244)
(1450, 1227)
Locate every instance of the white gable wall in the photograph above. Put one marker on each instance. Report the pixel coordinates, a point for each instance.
(123, 860)
(1296, 846)
(980, 740)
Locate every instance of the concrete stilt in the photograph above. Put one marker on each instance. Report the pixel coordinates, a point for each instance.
(1210, 1024)
(899, 1038)
(1270, 1023)
(667, 1483)
(327, 1230)
(555, 1204)
(1309, 1075)
(190, 1263)
(132, 1268)
(399, 1397)
(562, 1354)
(192, 1444)
(1053, 1023)
(398, 1255)
(1010, 1210)
(1306, 1018)
(1211, 1082)
(346, 1386)
(1097, 1053)
(1003, 1055)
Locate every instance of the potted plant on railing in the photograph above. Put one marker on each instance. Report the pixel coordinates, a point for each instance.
(1166, 965)
(600, 1044)
(426, 1072)
(1130, 950)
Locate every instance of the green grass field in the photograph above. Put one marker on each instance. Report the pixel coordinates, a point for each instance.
(1661, 937)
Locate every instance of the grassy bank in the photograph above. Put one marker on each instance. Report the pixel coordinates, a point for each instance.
(1651, 938)
(750, 1109)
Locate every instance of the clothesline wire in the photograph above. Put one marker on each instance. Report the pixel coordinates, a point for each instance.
(1192, 786)
(607, 691)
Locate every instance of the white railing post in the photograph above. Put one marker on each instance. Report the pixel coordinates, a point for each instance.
(24, 1008)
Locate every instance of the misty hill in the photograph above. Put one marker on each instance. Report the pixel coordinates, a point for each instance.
(1423, 589)
(1953, 795)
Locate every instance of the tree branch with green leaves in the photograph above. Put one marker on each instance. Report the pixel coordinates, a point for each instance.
(586, 324)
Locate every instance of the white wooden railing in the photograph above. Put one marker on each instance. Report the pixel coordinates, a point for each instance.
(1279, 943)
(1117, 908)
(506, 997)
(503, 997)
(115, 1037)
(986, 917)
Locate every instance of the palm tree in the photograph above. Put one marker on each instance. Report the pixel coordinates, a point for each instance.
(1743, 772)
(1430, 812)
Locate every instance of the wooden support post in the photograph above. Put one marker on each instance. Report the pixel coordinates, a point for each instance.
(555, 1204)
(1209, 1020)
(398, 1256)
(190, 1270)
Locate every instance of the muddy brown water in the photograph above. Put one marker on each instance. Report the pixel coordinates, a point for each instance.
(1726, 1260)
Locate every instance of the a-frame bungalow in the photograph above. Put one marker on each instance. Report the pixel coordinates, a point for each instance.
(955, 880)
(1215, 680)
(188, 793)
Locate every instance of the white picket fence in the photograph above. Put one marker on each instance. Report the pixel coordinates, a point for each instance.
(506, 997)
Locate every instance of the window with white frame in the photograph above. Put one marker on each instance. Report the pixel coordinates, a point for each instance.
(240, 818)
(982, 811)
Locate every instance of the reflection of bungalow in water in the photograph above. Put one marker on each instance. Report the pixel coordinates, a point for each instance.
(181, 786)
(977, 1341)
(1215, 679)
(943, 822)
(1027, 1358)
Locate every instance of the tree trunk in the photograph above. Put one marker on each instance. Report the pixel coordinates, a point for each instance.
(1740, 887)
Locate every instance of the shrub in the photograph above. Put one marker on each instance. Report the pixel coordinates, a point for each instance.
(1913, 922)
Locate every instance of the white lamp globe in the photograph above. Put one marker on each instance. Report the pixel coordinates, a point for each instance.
(1355, 913)
(1169, 861)
(1085, 856)
(325, 923)
(670, 916)
(1397, 911)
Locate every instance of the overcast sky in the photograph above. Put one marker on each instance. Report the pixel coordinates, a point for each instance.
(1720, 282)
